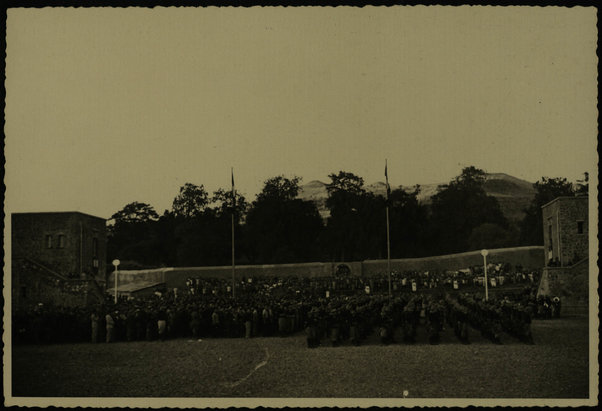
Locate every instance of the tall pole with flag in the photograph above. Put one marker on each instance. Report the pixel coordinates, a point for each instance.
(388, 238)
(233, 211)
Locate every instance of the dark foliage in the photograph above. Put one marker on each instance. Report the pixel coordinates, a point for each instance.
(460, 207)
(531, 228)
(278, 227)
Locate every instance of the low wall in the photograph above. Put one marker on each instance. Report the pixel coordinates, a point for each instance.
(176, 276)
(569, 283)
(528, 257)
(156, 275)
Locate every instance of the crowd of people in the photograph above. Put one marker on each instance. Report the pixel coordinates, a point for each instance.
(472, 277)
(332, 309)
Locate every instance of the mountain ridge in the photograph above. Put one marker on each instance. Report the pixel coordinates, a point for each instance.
(513, 193)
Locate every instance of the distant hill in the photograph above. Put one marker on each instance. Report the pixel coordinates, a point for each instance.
(512, 193)
(316, 191)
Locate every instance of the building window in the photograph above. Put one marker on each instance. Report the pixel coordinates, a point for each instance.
(95, 247)
(61, 241)
(579, 227)
(23, 292)
(48, 241)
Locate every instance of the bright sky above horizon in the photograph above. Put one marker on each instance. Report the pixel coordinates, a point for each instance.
(106, 106)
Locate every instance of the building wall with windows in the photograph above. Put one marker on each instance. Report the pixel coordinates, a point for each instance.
(70, 243)
(566, 244)
(52, 253)
(565, 230)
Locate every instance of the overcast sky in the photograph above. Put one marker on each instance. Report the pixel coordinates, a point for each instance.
(109, 106)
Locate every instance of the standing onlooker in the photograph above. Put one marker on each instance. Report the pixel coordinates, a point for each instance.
(94, 326)
(162, 324)
(195, 323)
(215, 324)
(110, 327)
(556, 304)
(130, 325)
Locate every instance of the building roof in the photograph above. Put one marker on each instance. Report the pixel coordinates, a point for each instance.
(563, 198)
(59, 212)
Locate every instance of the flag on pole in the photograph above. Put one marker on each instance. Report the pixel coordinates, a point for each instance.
(233, 191)
(387, 182)
(233, 288)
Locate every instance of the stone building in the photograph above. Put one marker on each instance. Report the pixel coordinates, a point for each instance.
(566, 246)
(565, 222)
(57, 257)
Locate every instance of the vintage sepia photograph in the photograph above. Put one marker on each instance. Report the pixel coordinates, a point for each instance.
(301, 206)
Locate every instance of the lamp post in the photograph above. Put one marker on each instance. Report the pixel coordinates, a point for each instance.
(484, 254)
(116, 264)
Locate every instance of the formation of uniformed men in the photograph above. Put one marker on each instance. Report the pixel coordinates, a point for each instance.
(329, 309)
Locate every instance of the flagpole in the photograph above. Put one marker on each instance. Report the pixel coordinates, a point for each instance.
(233, 206)
(388, 253)
(388, 237)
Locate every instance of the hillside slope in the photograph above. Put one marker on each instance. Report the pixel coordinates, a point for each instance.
(512, 193)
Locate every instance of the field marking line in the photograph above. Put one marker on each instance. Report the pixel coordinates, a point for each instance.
(258, 366)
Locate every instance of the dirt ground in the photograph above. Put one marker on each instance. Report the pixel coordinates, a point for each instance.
(556, 366)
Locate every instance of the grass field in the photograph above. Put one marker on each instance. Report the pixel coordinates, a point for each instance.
(555, 367)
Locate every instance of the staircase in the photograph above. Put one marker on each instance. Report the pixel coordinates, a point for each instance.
(571, 284)
(43, 268)
(96, 290)
(93, 292)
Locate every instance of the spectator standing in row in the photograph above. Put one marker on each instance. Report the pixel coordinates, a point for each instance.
(110, 325)
(162, 324)
(94, 326)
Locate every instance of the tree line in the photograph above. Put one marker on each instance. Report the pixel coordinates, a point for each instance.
(278, 227)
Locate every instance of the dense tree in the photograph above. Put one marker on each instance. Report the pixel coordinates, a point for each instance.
(165, 229)
(372, 240)
(547, 189)
(356, 228)
(458, 208)
(408, 222)
(132, 235)
(191, 201)
(348, 204)
(279, 188)
(222, 204)
(134, 213)
(279, 227)
(490, 235)
(203, 240)
(345, 182)
(471, 179)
